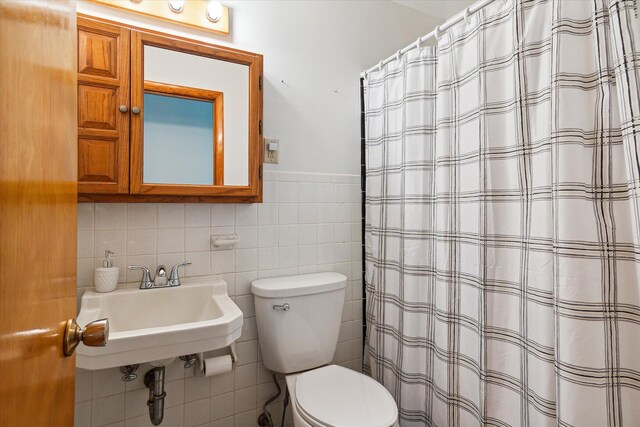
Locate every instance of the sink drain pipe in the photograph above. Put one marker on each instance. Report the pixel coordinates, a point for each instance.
(154, 380)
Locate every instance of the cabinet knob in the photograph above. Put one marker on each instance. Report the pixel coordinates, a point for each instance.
(95, 334)
(123, 108)
(135, 110)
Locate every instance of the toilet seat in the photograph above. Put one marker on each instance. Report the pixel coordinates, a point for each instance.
(334, 396)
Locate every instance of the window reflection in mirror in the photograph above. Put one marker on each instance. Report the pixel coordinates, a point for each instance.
(178, 140)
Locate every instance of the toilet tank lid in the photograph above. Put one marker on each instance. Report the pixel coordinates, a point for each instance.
(306, 284)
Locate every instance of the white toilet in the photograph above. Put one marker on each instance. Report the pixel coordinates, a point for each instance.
(298, 321)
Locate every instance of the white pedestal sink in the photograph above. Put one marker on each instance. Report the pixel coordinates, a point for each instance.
(152, 324)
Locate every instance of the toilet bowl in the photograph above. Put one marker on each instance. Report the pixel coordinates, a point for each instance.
(298, 321)
(336, 396)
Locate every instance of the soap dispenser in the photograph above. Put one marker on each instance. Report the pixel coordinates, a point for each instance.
(105, 278)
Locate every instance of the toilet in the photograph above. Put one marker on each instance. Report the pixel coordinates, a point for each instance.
(298, 321)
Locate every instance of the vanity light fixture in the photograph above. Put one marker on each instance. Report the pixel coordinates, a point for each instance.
(214, 10)
(202, 14)
(176, 5)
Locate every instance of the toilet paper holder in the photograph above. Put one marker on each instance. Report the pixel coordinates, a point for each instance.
(233, 352)
(203, 363)
(190, 359)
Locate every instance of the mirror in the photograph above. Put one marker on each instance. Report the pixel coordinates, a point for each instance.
(180, 129)
(196, 119)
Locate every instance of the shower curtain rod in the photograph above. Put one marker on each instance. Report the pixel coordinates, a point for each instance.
(440, 28)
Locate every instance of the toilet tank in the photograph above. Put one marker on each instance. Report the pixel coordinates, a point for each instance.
(298, 319)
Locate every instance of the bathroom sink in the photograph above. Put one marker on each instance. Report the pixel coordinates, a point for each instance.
(152, 324)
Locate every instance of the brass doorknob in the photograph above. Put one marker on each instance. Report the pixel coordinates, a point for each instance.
(95, 334)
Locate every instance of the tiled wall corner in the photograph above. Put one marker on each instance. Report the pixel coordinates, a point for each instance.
(308, 223)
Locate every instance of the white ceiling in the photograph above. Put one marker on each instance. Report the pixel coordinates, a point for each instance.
(442, 9)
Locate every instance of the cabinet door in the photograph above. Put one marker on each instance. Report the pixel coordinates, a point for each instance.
(196, 130)
(103, 108)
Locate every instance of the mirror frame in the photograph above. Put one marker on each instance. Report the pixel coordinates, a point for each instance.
(140, 39)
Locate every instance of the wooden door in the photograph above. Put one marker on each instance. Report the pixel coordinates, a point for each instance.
(37, 210)
(103, 107)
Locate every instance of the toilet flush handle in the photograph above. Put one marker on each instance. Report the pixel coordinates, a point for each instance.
(283, 307)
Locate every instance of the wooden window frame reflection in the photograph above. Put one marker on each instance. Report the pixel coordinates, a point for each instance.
(217, 98)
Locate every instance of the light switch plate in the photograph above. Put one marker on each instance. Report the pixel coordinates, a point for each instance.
(271, 156)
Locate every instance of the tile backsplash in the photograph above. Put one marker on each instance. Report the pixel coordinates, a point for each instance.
(307, 223)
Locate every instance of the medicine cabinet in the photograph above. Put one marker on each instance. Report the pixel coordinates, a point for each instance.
(163, 118)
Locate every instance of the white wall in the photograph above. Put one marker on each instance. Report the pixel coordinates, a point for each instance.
(316, 48)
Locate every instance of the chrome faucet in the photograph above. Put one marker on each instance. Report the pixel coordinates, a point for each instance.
(160, 280)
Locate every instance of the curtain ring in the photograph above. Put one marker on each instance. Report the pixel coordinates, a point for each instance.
(418, 43)
(398, 53)
(467, 15)
(438, 32)
(380, 66)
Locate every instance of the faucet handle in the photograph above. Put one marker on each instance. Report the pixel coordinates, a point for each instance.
(145, 282)
(174, 278)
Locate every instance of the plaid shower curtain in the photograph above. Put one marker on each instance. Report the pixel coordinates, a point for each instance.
(502, 230)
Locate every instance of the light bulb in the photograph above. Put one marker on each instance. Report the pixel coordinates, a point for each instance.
(214, 10)
(176, 5)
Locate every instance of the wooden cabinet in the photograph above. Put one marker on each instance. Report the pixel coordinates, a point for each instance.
(111, 116)
(103, 90)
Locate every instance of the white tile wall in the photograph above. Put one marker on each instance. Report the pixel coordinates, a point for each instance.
(307, 223)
